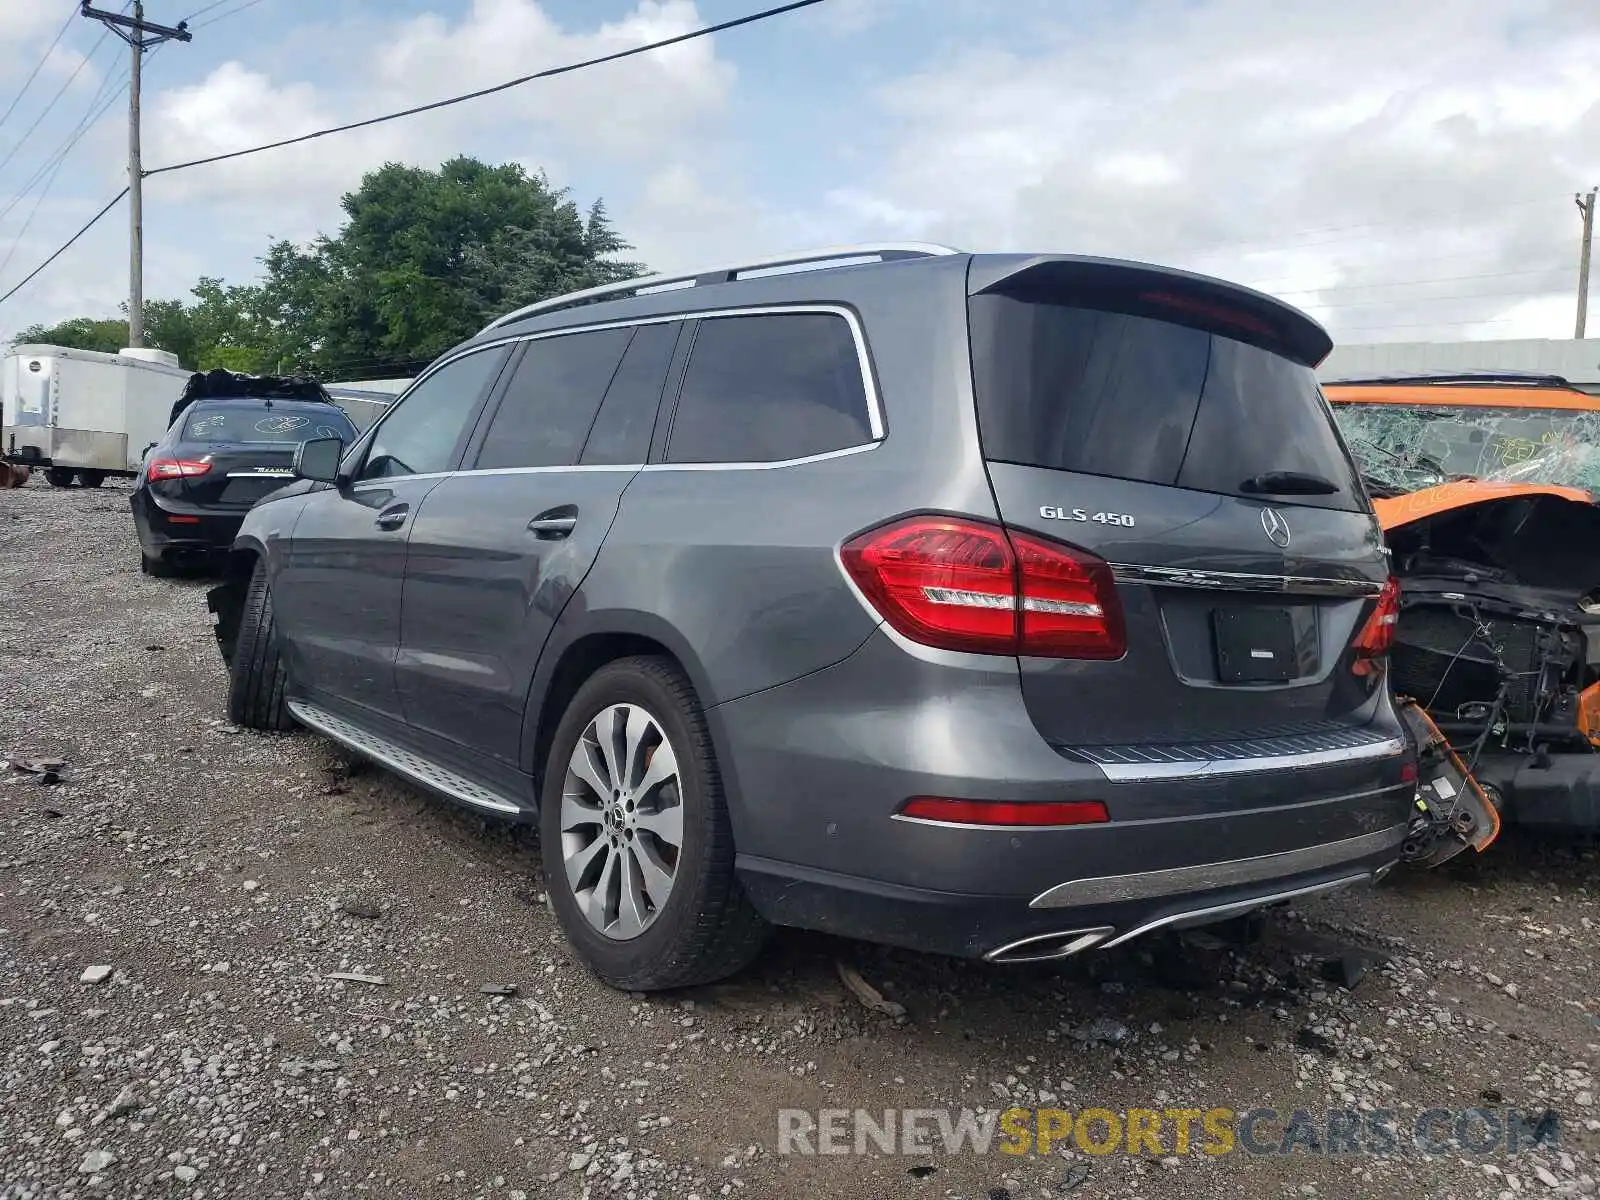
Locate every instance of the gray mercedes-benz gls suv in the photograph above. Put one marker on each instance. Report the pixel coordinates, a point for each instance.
(998, 605)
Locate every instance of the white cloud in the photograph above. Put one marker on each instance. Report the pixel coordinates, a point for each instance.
(1424, 142)
(637, 112)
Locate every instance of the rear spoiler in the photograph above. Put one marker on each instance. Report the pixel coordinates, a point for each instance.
(1214, 304)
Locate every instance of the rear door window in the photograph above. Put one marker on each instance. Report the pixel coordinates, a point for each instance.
(770, 387)
(627, 417)
(1127, 395)
(551, 401)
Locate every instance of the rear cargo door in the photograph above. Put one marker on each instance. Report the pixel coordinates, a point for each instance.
(1178, 433)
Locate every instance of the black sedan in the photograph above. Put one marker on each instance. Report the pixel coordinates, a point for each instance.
(220, 457)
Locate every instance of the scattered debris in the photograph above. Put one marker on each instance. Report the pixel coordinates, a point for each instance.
(1310, 1039)
(95, 975)
(46, 771)
(360, 907)
(1102, 1029)
(96, 1161)
(296, 1067)
(184, 1173)
(499, 989)
(1077, 1175)
(869, 996)
(921, 1171)
(354, 977)
(1349, 969)
(127, 1101)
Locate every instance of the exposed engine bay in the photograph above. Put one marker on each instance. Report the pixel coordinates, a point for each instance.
(1497, 644)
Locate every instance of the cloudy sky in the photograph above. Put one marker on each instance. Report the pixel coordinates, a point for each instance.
(1405, 171)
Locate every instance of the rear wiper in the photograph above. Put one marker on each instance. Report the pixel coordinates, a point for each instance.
(1289, 483)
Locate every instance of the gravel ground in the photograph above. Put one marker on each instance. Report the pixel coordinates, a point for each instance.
(220, 879)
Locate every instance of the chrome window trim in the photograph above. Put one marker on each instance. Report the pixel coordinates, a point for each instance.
(1177, 881)
(1240, 581)
(876, 422)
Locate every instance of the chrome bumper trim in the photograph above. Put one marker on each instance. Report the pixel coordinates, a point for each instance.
(1220, 912)
(1144, 772)
(1174, 881)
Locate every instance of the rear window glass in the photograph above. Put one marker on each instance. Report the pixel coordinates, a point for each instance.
(1109, 393)
(769, 388)
(266, 425)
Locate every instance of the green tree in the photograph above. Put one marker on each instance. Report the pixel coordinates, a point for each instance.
(107, 335)
(423, 260)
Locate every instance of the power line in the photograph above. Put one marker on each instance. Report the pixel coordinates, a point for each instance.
(232, 12)
(549, 73)
(37, 67)
(54, 100)
(101, 102)
(65, 246)
(200, 12)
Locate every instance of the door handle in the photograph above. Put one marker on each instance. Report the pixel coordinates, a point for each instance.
(554, 523)
(393, 518)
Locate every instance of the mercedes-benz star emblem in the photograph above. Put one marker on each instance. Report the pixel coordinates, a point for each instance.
(1275, 527)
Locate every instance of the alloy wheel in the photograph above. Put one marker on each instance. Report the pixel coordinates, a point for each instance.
(622, 821)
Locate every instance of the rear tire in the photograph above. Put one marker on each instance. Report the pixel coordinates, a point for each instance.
(256, 675)
(156, 567)
(704, 928)
(58, 477)
(91, 479)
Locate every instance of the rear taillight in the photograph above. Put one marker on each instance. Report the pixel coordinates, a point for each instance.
(960, 584)
(1377, 635)
(175, 468)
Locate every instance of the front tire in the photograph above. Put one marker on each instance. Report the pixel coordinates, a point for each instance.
(635, 835)
(256, 675)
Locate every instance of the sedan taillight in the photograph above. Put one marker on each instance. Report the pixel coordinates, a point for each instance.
(175, 468)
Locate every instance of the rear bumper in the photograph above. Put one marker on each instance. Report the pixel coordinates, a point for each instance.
(165, 528)
(1006, 929)
(816, 771)
(1562, 795)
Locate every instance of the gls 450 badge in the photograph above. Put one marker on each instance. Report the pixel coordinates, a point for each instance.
(1052, 513)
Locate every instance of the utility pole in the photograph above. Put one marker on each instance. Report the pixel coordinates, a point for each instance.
(1586, 207)
(140, 36)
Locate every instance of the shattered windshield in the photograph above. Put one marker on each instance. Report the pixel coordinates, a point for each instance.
(1404, 448)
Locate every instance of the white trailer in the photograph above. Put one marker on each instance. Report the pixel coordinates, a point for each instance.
(83, 415)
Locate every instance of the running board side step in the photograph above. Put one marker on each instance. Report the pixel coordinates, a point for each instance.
(397, 758)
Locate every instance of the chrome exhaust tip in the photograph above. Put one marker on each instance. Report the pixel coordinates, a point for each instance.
(1046, 947)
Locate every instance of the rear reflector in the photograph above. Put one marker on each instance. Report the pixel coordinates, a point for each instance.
(960, 584)
(176, 468)
(179, 520)
(1005, 812)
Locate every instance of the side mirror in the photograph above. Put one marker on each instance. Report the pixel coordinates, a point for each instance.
(319, 459)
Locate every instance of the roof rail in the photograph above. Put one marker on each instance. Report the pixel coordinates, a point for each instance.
(840, 255)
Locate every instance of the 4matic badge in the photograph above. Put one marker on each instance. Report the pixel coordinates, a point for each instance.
(1051, 512)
